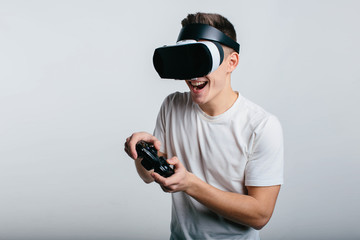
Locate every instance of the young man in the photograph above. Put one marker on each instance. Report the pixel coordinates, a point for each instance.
(227, 153)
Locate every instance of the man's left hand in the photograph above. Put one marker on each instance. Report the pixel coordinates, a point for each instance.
(179, 181)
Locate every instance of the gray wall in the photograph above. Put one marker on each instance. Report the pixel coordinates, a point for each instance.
(76, 79)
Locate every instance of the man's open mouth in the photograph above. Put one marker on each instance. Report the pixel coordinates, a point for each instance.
(197, 85)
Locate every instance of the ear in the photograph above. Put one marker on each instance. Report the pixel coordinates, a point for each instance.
(233, 61)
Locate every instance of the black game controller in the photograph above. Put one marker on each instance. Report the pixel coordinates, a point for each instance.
(151, 160)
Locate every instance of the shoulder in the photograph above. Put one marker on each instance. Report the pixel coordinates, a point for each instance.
(257, 116)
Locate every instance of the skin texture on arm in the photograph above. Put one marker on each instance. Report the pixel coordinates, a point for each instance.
(254, 209)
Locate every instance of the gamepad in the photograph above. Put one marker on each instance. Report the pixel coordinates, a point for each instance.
(151, 160)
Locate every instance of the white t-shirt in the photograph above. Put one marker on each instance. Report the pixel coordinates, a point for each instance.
(241, 147)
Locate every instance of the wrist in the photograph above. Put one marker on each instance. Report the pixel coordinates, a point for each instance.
(192, 184)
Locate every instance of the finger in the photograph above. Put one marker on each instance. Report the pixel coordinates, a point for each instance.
(176, 163)
(126, 149)
(157, 144)
(133, 140)
(136, 137)
(169, 183)
(165, 189)
(131, 146)
(158, 178)
(152, 140)
(173, 161)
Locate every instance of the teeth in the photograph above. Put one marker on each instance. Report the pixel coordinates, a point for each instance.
(195, 84)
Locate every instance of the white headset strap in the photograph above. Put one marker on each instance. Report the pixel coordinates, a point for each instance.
(214, 54)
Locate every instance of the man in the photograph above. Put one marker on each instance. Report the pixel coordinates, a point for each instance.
(227, 153)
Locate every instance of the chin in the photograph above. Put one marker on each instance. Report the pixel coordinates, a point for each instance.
(200, 100)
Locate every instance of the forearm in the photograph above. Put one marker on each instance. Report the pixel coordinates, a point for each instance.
(253, 209)
(236, 207)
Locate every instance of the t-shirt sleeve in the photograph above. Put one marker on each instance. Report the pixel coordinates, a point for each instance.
(159, 131)
(265, 165)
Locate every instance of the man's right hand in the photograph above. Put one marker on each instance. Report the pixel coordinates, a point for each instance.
(130, 144)
(130, 149)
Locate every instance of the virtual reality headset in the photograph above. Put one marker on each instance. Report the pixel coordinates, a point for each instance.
(191, 58)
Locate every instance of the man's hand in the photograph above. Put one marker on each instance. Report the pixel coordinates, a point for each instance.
(130, 144)
(130, 149)
(179, 181)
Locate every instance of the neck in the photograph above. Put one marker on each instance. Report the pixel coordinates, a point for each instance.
(220, 103)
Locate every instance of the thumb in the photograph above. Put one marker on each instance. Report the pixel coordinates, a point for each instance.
(173, 161)
(157, 144)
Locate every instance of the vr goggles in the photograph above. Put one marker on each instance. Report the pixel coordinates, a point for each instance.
(189, 59)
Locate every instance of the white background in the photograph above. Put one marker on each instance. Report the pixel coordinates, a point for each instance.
(76, 78)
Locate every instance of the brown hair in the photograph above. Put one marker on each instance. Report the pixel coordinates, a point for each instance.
(213, 19)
